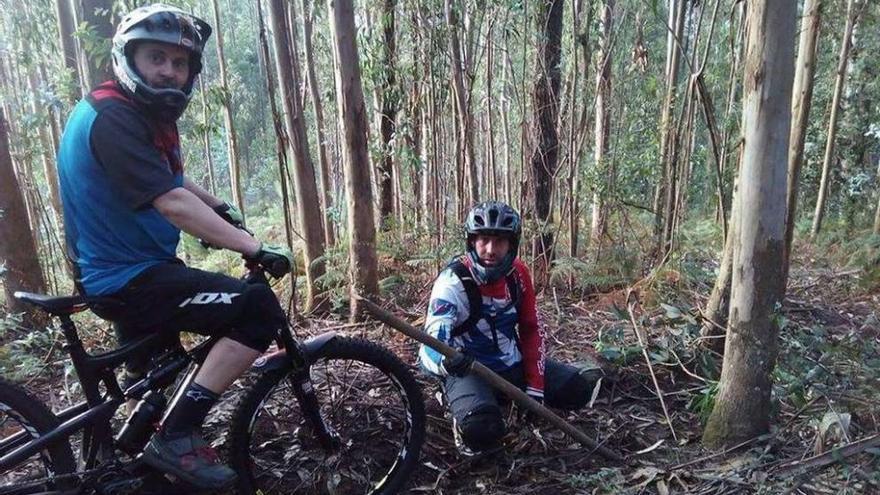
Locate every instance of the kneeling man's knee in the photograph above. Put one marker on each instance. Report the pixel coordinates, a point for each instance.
(482, 428)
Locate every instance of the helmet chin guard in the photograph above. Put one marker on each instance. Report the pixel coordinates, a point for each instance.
(161, 24)
(488, 274)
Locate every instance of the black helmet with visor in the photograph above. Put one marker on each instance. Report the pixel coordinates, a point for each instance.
(162, 24)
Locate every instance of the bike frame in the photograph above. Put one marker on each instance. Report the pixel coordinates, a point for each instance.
(93, 415)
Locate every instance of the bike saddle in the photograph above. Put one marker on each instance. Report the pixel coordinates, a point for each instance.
(62, 305)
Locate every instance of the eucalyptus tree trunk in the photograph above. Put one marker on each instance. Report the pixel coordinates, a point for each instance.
(574, 141)
(18, 251)
(490, 125)
(287, 68)
(96, 13)
(677, 10)
(602, 131)
(852, 9)
(318, 110)
(359, 192)
(48, 153)
(466, 157)
(414, 140)
(387, 116)
(505, 119)
(737, 49)
(278, 127)
(718, 305)
(229, 123)
(423, 40)
(206, 138)
(546, 107)
(66, 27)
(801, 101)
(742, 406)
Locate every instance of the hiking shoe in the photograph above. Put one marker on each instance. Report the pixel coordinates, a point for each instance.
(189, 458)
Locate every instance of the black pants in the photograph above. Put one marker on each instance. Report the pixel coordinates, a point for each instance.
(475, 407)
(172, 297)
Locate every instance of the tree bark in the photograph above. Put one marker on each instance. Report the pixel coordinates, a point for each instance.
(206, 138)
(387, 117)
(840, 81)
(280, 136)
(48, 153)
(736, 49)
(304, 173)
(468, 162)
(66, 27)
(742, 406)
(318, 109)
(546, 107)
(802, 99)
(359, 192)
(490, 124)
(18, 251)
(97, 14)
(229, 123)
(718, 305)
(677, 12)
(575, 129)
(602, 131)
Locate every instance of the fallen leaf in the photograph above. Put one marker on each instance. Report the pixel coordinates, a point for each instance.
(652, 447)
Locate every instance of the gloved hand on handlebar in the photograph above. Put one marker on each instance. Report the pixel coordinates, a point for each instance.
(276, 260)
(231, 214)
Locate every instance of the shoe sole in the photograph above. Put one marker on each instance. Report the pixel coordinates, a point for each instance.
(157, 463)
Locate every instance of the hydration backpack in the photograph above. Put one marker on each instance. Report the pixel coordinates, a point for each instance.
(475, 299)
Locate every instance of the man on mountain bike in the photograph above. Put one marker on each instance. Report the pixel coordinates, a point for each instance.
(126, 199)
(483, 304)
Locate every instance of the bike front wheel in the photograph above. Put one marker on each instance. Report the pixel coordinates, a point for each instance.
(366, 395)
(23, 419)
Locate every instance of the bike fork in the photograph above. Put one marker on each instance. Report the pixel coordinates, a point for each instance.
(304, 391)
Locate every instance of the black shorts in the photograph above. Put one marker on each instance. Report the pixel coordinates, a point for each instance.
(172, 297)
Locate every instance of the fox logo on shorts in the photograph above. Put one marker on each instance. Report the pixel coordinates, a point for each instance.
(210, 298)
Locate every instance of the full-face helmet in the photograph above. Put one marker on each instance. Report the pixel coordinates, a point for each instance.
(497, 219)
(163, 24)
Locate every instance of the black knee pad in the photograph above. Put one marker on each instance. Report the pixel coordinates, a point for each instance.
(260, 320)
(482, 428)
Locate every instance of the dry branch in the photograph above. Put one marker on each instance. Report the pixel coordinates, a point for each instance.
(830, 457)
(631, 304)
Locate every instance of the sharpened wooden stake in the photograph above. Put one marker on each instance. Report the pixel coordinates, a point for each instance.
(493, 379)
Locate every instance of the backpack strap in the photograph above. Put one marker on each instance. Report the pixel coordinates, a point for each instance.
(513, 289)
(475, 300)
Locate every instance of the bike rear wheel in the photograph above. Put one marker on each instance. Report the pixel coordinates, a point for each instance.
(367, 396)
(22, 419)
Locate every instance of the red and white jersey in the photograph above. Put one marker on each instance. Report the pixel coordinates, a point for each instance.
(506, 333)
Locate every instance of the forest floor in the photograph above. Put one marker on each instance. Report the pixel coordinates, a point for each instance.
(825, 395)
(827, 382)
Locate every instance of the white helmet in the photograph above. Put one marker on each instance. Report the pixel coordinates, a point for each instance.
(164, 24)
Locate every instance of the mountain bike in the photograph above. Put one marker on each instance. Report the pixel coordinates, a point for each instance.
(330, 414)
